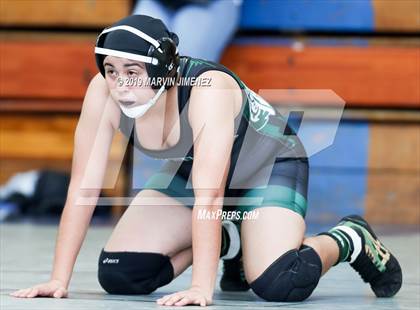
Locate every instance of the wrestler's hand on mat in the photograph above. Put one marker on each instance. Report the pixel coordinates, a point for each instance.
(52, 288)
(192, 296)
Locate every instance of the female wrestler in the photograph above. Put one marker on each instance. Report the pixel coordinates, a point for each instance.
(225, 147)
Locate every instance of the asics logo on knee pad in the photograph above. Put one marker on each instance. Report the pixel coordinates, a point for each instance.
(110, 261)
(133, 272)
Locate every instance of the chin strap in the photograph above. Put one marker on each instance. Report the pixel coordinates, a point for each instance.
(140, 110)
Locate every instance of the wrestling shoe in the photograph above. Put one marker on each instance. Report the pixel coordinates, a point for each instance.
(233, 277)
(369, 256)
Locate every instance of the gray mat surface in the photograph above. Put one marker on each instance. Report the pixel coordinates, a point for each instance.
(27, 253)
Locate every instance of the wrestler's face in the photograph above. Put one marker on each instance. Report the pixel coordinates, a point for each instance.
(127, 81)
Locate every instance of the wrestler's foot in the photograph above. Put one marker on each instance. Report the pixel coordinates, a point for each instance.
(233, 278)
(370, 258)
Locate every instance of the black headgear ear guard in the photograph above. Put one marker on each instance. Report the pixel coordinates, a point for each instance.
(168, 62)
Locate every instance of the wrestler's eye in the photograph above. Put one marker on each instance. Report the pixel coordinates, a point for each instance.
(132, 73)
(111, 73)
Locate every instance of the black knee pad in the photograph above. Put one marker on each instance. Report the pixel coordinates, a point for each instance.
(133, 272)
(292, 277)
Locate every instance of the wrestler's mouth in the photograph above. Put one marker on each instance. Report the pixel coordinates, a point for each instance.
(126, 102)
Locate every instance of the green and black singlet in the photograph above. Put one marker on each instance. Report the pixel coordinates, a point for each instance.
(268, 167)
